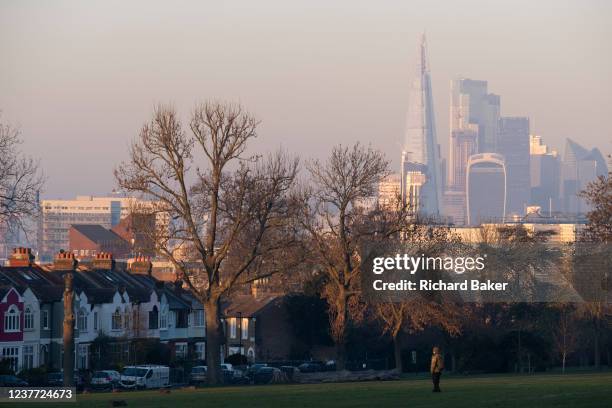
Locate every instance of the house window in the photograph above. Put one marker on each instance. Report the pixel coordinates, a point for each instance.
(11, 319)
(95, 319)
(154, 318)
(200, 351)
(232, 323)
(28, 357)
(44, 317)
(12, 355)
(117, 320)
(163, 321)
(198, 318)
(82, 321)
(182, 317)
(244, 328)
(180, 351)
(28, 319)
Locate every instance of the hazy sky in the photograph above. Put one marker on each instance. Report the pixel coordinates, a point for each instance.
(80, 78)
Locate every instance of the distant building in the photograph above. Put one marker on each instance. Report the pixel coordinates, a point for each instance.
(389, 191)
(486, 188)
(580, 166)
(421, 151)
(464, 144)
(474, 108)
(57, 216)
(514, 147)
(545, 168)
(414, 189)
(454, 204)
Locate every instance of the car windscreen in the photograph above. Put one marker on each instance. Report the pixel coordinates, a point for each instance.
(198, 370)
(100, 374)
(135, 372)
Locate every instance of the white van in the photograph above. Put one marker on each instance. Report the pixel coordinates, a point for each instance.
(145, 376)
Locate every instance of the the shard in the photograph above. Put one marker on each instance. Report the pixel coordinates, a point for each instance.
(420, 165)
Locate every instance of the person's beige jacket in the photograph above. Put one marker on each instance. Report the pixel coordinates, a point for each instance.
(437, 363)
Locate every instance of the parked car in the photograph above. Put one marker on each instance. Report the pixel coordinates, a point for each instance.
(290, 371)
(250, 372)
(330, 365)
(227, 366)
(265, 374)
(310, 367)
(198, 375)
(105, 379)
(56, 379)
(145, 376)
(12, 381)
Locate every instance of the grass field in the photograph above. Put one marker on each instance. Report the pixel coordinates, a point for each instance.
(575, 390)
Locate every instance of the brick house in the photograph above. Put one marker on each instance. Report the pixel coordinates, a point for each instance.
(85, 241)
(257, 327)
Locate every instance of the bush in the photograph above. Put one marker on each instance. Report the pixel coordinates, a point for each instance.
(34, 376)
(237, 359)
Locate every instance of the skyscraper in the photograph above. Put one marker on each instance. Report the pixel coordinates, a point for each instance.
(473, 108)
(420, 165)
(514, 146)
(545, 176)
(486, 188)
(474, 115)
(580, 166)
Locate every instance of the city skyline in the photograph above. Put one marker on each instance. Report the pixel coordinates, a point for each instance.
(105, 69)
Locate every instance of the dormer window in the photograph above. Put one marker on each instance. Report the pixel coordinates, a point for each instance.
(11, 320)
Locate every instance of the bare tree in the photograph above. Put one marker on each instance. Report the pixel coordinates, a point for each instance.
(20, 181)
(596, 240)
(232, 214)
(338, 222)
(565, 333)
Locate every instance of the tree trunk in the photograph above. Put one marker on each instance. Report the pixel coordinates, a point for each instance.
(213, 341)
(68, 362)
(563, 363)
(596, 351)
(340, 355)
(397, 351)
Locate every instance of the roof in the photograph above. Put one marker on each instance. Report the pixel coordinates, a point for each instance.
(46, 287)
(96, 233)
(246, 305)
(100, 285)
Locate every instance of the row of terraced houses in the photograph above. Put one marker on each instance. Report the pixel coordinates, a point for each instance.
(123, 304)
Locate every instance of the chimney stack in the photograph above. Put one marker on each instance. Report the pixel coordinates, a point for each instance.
(104, 260)
(141, 265)
(64, 261)
(21, 257)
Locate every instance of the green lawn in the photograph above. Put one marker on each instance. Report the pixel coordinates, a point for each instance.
(571, 390)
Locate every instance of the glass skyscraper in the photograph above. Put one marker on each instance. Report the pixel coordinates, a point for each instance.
(420, 166)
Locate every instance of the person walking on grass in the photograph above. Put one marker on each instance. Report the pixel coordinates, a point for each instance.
(437, 365)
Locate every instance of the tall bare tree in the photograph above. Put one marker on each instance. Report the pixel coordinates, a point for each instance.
(339, 222)
(20, 180)
(232, 213)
